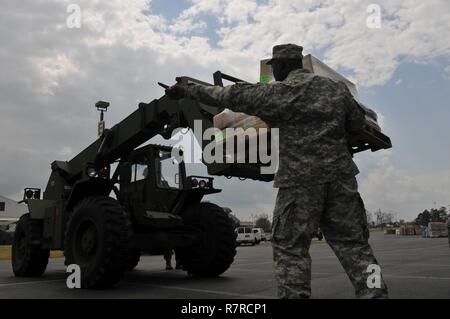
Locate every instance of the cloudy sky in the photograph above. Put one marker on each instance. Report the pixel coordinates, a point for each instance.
(52, 73)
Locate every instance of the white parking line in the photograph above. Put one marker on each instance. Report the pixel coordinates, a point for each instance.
(250, 270)
(414, 265)
(416, 277)
(255, 264)
(28, 282)
(343, 274)
(382, 264)
(224, 293)
(401, 250)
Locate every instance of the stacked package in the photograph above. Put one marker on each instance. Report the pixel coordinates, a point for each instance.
(436, 229)
(372, 137)
(418, 229)
(409, 230)
(250, 124)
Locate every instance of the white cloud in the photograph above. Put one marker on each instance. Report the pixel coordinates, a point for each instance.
(52, 70)
(389, 187)
(239, 11)
(382, 122)
(202, 6)
(447, 72)
(411, 31)
(66, 151)
(184, 26)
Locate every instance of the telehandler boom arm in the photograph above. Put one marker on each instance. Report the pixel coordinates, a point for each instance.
(160, 116)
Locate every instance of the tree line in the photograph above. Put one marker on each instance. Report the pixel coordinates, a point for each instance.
(383, 219)
(378, 218)
(432, 215)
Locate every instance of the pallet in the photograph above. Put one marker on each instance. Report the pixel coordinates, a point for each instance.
(370, 139)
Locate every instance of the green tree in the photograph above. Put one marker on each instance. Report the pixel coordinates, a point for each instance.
(443, 214)
(263, 222)
(379, 217)
(423, 218)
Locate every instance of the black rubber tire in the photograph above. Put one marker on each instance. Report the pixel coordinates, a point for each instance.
(213, 254)
(134, 259)
(28, 258)
(99, 239)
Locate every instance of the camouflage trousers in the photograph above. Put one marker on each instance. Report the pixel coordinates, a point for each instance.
(338, 210)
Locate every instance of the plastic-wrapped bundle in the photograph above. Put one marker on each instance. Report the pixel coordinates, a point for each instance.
(251, 133)
(437, 229)
(230, 119)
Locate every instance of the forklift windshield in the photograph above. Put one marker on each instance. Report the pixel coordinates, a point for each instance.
(139, 172)
(167, 171)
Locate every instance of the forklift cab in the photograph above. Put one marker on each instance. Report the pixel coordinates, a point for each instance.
(154, 185)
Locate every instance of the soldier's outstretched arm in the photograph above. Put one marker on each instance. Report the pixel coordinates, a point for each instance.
(253, 99)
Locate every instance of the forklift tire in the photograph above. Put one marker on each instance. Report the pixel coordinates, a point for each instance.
(213, 254)
(319, 236)
(133, 261)
(28, 258)
(99, 240)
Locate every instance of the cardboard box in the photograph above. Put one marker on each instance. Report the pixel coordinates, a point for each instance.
(372, 138)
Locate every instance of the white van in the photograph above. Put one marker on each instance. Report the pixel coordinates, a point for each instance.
(245, 235)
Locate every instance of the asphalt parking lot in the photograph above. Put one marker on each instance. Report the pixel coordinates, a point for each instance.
(413, 267)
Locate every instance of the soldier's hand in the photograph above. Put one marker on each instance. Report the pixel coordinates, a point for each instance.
(176, 92)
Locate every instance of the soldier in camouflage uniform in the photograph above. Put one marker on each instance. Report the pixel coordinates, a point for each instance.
(316, 174)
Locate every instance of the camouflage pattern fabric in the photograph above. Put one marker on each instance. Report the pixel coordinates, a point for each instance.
(314, 115)
(336, 208)
(286, 51)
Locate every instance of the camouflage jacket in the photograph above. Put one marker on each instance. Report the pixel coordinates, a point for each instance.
(314, 115)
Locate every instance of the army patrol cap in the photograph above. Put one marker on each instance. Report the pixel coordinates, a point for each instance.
(286, 51)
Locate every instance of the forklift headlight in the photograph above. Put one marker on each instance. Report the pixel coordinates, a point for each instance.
(194, 182)
(202, 184)
(91, 172)
(29, 194)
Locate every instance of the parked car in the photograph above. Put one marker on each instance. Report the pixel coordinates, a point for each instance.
(245, 235)
(260, 235)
